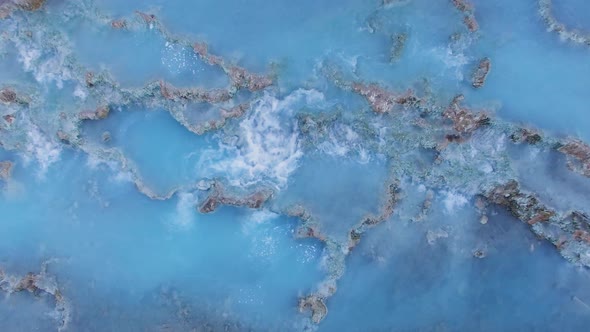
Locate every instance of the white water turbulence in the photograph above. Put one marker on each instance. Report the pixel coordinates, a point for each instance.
(336, 165)
(266, 147)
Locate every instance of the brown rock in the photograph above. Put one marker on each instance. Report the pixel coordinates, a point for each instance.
(119, 24)
(471, 23)
(147, 18)
(209, 205)
(469, 19)
(218, 198)
(8, 95)
(463, 5)
(526, 135)
(29, 4)
(381, 100)
(481, 73)
(102, 112)
(99, 114)
(235, 112)
(316, 305)
(9, 118)
(28, 283)
(244, 79)
(464, 120)
(578, 154)
(542, 216)
(202, 50)
(581, 235)
(523, 206)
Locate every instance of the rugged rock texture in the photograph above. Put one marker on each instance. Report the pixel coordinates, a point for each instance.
(29, 4)
(523, 206)
(39, 284)
(245, 79)
(337, 252)
(569, 233)
(9, 118)
(240, 77)
(561, 29)
(193, 94)
(392, 196)
(98, 114)
(119, 24)
(463, 5)
(397, 47)
(464, 120)
(218, 197)
(524, 135)
(471, 23)
(147, 18)
(467, 9)
(8, 95)
(578, 154)
(481, 73)
(382, 100)
(316, 305)
(8, 6)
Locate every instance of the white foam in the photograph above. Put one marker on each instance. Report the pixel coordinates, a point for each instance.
(453, 200)
(452, 60)
(333, 147)
(256, 219)
(48, 63)
(262, 216)
(42, 149)
(80, 93)
(433, 236)
(268, 148)
(185, 211)
(343, 141)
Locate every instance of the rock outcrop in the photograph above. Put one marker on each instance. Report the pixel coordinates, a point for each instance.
(481, 73)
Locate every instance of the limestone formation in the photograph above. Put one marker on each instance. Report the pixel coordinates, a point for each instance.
(193, 94)
(218, 197)
(99, 114)
(8, 95)
(119, 24)
(39, 284)
(29, 4)
(566, 232)
(553, 25)
(398, 45)
(525, 135)
(381, 100)
(240, 77)
(316, 305)
(464, 120)
(481, 73)
(468, 11)
(578, 154)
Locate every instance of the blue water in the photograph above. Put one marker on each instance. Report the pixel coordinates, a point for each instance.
(107, 212)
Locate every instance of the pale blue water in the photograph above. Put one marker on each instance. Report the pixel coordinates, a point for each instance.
(108, 212)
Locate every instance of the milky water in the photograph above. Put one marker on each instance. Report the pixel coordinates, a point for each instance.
(377, 215)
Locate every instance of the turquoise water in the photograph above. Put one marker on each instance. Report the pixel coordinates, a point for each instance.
(224, 188)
